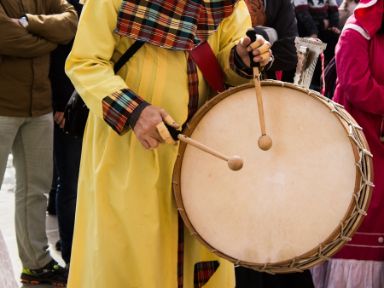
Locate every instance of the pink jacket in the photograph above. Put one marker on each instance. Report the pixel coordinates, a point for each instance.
(360, 88)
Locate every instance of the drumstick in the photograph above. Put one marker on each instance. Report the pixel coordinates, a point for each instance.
(234, 162)
(265, 142)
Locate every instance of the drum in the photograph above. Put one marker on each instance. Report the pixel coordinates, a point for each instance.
(290, 207)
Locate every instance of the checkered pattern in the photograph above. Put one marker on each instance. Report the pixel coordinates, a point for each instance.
(180, 253)
(257, 10)
(203, 272)
(193, 87)
(118, 107)
(173, 24)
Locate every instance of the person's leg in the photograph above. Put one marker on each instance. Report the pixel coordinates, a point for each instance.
(7, 278)
(32, 151)
(67, 154)
(8, 129)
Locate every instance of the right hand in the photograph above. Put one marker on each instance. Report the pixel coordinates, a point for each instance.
(261, 50)
(145, 128)
(58, 117)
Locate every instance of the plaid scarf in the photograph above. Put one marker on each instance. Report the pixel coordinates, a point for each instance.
(257, 10)
(172, 24)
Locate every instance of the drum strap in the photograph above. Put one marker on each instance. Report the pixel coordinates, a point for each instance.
(206, 60)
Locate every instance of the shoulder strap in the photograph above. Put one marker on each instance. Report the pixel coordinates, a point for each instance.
(206, 60)
(127, 55)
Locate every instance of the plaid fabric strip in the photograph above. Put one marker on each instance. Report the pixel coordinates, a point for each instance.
(257, 12)
(193, 87)
(172, 24)
(118, 107)
(211, 16)
(203, 272)
(180, 254)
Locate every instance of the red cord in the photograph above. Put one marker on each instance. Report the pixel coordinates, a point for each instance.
(322, 73)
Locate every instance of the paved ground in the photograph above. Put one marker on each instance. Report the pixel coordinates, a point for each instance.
(7, 222)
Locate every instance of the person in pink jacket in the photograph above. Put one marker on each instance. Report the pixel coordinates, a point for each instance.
(360, 88)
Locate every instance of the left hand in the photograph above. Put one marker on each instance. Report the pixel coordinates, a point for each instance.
(334, 30)
(59, 119)
(261, 50)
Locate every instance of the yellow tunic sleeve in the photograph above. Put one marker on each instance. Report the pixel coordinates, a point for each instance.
(90, 65)
(231, 30)
(90, 68)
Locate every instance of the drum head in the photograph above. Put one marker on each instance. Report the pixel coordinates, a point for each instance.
(284, 203)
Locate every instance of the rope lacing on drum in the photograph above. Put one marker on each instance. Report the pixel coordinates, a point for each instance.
(365, 181)
(359, 209)
(336, 109)
(294, 263)
(343, 235)
(321, 255)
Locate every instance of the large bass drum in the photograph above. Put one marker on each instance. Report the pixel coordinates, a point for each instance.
(289, 207)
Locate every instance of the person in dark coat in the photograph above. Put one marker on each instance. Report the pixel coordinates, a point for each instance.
(67, 148)
(319, 19)
(276, 21)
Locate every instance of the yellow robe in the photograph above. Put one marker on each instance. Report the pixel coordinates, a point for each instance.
(126, 220)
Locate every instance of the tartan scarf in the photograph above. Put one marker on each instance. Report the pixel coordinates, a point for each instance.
(172, 24)
(257, 11)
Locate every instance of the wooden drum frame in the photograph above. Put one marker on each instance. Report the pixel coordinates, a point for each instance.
(290, 207)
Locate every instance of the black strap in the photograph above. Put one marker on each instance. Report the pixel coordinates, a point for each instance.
(127, 55)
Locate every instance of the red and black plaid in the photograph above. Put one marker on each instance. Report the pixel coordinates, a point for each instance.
(193, 87)
(118, 107)
(203, 272)
(180, 253)
(173, 24)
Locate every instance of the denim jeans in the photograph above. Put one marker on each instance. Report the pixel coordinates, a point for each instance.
(30, 140)
(67, 152)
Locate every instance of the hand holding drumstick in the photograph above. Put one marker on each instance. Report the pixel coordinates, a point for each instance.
(156, 126)
(170, 135)
(256, 58)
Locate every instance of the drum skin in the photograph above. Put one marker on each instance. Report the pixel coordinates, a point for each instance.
(287, 209)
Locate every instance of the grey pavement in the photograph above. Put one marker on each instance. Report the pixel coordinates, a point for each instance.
(7, 197)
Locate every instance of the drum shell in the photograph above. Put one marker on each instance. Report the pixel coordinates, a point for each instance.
(359, 165)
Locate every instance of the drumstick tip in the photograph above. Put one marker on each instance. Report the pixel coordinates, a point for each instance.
(265, 142)
(235, 163)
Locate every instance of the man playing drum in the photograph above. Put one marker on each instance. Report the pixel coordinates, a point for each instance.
(127, 232)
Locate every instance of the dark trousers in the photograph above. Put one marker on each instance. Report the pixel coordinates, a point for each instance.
(248, 278)
(67, 152)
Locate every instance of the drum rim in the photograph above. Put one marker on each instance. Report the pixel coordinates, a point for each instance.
(353, 216)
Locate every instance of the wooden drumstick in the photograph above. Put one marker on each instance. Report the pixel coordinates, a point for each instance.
(234, 163)
(264, 142)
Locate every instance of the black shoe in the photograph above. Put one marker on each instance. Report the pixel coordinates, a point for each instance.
(52, 273)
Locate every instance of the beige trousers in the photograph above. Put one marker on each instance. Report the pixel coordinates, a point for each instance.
(30, 140)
